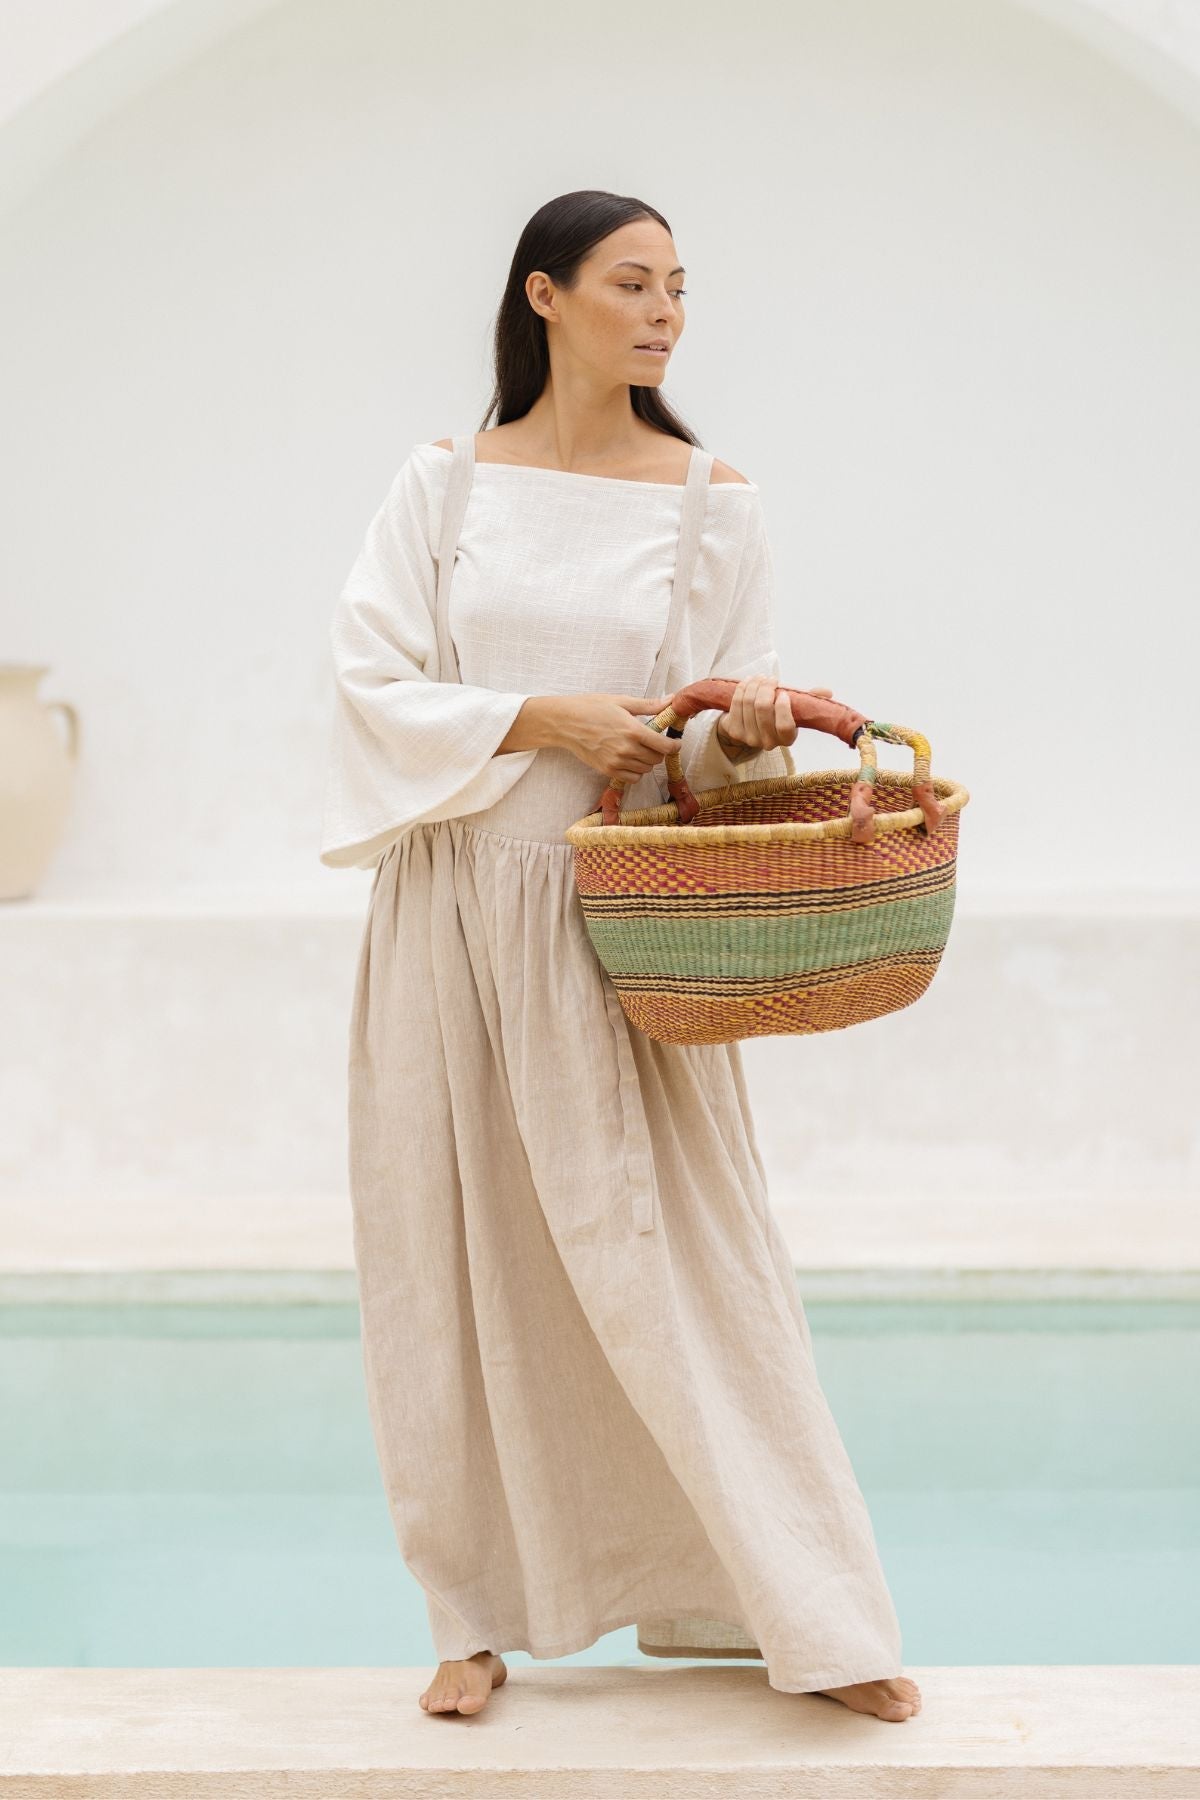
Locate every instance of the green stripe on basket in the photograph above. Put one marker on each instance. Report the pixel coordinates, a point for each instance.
(771, 946)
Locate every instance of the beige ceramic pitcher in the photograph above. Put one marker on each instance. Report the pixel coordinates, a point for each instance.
(36, 774)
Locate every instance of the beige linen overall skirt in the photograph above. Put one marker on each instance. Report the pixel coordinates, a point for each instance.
(590, 1375)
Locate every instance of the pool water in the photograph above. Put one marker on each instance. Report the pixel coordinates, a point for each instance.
(195, 1484)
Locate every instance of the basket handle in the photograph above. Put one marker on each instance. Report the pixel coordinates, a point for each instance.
(862, 809)
(811, 711)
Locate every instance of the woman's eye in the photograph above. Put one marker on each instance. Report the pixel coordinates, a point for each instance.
(637, 284)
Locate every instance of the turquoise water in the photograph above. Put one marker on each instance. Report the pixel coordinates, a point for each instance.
(195, 1484)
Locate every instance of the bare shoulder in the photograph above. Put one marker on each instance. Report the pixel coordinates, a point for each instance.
(721, 471)
(499, 434)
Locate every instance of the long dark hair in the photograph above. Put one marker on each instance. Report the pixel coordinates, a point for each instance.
(556, 240)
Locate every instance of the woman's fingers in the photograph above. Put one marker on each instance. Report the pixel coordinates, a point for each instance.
(744, 715)
(763, 702)
(773, 715)
(760, 714)
(786, 729)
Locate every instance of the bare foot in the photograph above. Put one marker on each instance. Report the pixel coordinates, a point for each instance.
(896, 1698)
(464, 1686)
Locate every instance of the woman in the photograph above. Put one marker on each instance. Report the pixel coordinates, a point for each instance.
(589, 1373)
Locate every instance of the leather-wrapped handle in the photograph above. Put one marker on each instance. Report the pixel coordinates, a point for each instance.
(714, 694)
(814, 712)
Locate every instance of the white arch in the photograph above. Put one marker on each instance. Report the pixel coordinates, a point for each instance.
(1158, 41)
(68, 67)
(45, 45)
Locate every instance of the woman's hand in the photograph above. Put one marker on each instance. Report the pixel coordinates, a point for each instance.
(759, 718)
(601, 730)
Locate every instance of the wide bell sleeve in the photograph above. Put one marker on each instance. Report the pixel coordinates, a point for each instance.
(746, 647)
(406, 748)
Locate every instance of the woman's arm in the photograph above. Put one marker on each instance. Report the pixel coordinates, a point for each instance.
(406, 747)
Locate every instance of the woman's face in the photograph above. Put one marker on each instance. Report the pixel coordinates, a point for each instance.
(628, 293)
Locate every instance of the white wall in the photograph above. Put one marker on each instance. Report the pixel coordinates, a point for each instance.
(943, 280)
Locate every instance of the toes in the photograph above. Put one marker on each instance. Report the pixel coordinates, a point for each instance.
(896, 1705)
(902, 1685)
(878, 1697)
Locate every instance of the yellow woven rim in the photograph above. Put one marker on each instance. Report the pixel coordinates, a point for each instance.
(652, 825)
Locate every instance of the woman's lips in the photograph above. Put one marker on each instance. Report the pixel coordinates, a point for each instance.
(648, 352)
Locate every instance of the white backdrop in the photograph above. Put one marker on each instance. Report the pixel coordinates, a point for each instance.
(943, 279)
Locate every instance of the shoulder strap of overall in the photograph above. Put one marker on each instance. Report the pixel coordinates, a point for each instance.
(454, 508)
(691, 524)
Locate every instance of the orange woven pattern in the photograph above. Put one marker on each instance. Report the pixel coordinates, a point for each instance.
(796, 868)
(687, 1015)
(710, 941)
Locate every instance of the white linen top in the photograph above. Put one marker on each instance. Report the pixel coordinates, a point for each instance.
(562, 583)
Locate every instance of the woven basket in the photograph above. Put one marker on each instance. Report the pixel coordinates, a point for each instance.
(796, 904)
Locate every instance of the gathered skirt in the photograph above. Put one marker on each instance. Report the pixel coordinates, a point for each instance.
(589, 1372)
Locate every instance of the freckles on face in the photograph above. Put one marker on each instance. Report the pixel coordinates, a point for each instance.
(608, 318)
(616, 306)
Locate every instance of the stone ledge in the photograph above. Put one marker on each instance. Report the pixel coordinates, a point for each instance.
(177, 1094)
(1096, 1732)
(339, 1287)
(1123, 1230)
(346, 896)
